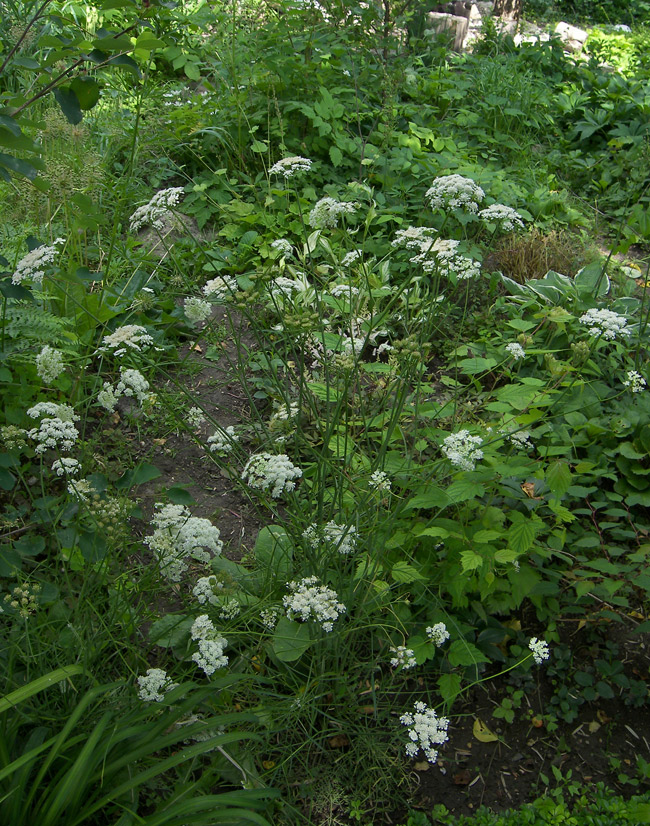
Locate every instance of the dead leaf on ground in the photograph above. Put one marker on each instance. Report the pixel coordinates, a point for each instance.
(339, 741)
(422, 766)
(482, 732)
(462, 778)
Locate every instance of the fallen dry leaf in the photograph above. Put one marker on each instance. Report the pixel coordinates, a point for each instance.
(482, 732)
(593, 727)
(197, 349)
(339, 741)
(529, 489)
(422, 766)
(602, 717)
(462, 778)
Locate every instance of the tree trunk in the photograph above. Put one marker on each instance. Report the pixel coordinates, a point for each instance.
(508, 9)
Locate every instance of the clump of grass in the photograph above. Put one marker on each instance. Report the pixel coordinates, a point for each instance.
(532, 256)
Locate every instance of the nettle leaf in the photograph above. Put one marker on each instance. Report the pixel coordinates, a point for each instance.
(558, 478)
(470, 560)
(290, 640)
(521, 535)
(449, 686)
(404, 572)
(462, 652)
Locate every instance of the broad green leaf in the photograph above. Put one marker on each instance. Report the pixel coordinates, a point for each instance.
(473, 366)
(470, 560)
(69, 103)
(505, 556)
(138, 476)
(290, 640)
(462, 652)
(171, 630)
(336, 155)
(180, 496)
(592, 280)
(558, 478)
(449, 686)
(463, 489)
(521, 535)
(86, 90)
(10, 701)
(404, 572)
(485, 536)
(274, 552)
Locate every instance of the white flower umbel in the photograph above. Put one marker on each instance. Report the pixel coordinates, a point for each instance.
(210, 655)
(438, 634)
(454, 192)
(516, 351)
(379, 480)
(269, 617)
(223, 441)
(66, 467)
(508, 218)
(56, 428)
(133, 384)
(195, 417)
(351, 258)
(426, 731)
(327, 211)
(462, 449)
(403, 658)
(107, 397)
(413, 237)
(521, 439)
(206, 589)
(158, 210)
(177, 536)
(49, 364)
(341, 538)
(131, 338)
(540, 649)
(33, 265)
(605, 323)
(635, 381)
(282, 246)
(273, 473)
(310, 601)
(344, 290)
(288, 167)
(442, 255)
(220, 288)
(153, 685)
(197, 310)
(283, 287)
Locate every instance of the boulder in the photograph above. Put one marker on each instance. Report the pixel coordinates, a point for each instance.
(573, 38)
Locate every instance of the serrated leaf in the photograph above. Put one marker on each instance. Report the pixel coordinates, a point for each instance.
(290, 640)
(462, 652)
(449, 686)
(558, 478)
(505, 556)
(470, 560)
(486, 536)
(464, 489)
(404, 572)
(336, 156)
(521, 535)
(482, 733)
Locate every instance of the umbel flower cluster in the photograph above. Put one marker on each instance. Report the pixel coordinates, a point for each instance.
(179, 536)
(220, 288)
(158, 210)
(454, 192)
(131, 338)
(56, 429)
(605, 323)
(442, 255)
(327, 211)
(288, 167)
(33, 265)
(49, 364)
(426, 731)
(403, 657)
(462, 449)
(437, 633)
(197, 310)
(153, 685)
(507, 217)
(341, 538)
(271, 472)
(223, 441)
(310, 601)
(131, 384)
(210, 655)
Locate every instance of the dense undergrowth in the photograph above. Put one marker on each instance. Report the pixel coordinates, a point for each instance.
(439, 425)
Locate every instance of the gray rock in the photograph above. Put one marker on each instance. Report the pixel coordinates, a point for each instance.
(573, 38)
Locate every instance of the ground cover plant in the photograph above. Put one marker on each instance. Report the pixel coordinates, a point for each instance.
(325, 418)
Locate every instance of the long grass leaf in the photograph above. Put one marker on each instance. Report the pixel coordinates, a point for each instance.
(23, 693)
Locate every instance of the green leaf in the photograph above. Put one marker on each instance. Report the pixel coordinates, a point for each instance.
(324, 391)
(69, 103)
(10, 701)
(290, 640)
(505, 556)
(521, 535)
(404, 572)
(462, 652)
(180, 496)
(29, 545)
(86, 90)
(449, 686)
(260, 147)
(464, 489)
(10, 290)
(592, 280)
(171, 630)
(138, 476)
(476, 365)
(274, 551)
(336, 156)
(20, 167)
(558, 478)
(433, 498)
(470, 560)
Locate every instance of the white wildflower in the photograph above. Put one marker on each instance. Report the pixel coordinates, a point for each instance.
(13, 437)
(197, 310)
(223, 441)
(273, 473)
(327, 211)
(438, 634)
(462, 449)
(404, 657)
(107, 397)
(82, 490)
(515, 350)
(132, 383)
(206, 588)
(178, 536)
(351, 257)
(521, 439)
(66, 467)
(426, 731)
(158, 210)
(341, 538)
(61, 411)
(310, 601)
(283, 287)
(270, 617)
(220, 288)
(442, 255)
(210, 655)
(345, 290)
(195, 417)
(454, 192)
(230, 608)
(413, 237)
(507, 217)
(379, 480)
(540, 649)
(282, 246)
(605, 323)
(288, 167)
(56, 429)
(153, 685)
(634, 381)
(129, 338)
(34, 263)
(49, 364)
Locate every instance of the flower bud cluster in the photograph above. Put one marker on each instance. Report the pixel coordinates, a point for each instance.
(273, 473)
(23, 599)
(158, 210)
(49, 364)
(462, 449)
(426, 731)
(310, 601)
